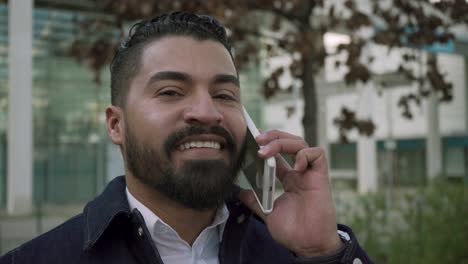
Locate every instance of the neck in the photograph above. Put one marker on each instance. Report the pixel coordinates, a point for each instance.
(187, 222)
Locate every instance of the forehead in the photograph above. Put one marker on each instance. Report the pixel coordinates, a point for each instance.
(199, 58)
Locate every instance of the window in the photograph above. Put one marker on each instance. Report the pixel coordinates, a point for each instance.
(343, 156)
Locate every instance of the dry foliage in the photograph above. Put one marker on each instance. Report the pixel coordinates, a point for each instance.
(296, 27)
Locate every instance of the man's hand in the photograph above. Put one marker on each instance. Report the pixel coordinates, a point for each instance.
(303, 218)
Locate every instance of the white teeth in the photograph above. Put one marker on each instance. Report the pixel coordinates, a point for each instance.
(200, 144)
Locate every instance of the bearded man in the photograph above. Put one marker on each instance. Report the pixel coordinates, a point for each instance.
(176, 113)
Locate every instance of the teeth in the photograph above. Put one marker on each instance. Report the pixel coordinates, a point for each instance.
(200, 144)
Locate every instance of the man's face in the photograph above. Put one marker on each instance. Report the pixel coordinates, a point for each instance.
(183, 123)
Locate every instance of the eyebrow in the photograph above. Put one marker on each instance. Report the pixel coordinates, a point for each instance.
(226, 78)
(184, 77)
(170, 76)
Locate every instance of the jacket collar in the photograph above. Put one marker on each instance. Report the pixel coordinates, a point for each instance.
(104, 209)
(112, 203)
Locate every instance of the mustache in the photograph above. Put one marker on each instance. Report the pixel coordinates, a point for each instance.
(171, 142)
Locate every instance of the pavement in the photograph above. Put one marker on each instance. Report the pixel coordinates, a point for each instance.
(15, 230)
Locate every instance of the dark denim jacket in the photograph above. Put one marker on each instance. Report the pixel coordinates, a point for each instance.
(108, 232)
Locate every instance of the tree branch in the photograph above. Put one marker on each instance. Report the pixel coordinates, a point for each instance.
(281, 13)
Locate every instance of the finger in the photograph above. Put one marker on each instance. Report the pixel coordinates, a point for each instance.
(311, 157)
(283, 145)
(248, 198)
(301, 162)
(265, 137)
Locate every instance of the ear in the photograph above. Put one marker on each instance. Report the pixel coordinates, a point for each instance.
(115, 124)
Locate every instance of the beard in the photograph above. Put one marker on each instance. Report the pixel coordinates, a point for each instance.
(197, 184)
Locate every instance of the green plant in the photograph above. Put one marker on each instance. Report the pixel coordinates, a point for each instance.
(423, 225)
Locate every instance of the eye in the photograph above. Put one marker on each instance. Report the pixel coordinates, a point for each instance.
(226, 97)
(169, 93)
(225, 94)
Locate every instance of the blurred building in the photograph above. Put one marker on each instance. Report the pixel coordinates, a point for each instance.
(69, 150)
(398, 153)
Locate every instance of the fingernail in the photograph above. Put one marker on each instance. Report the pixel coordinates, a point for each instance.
(296, 167)
(262, 150)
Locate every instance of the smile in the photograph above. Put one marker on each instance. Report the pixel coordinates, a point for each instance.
(200, 144)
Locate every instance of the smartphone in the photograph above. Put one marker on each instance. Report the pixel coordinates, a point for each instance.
(259, 173)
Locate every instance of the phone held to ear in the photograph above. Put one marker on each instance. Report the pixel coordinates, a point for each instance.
(260, 173)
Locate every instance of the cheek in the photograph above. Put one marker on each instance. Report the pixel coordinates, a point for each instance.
(153, 127)
(238, 128)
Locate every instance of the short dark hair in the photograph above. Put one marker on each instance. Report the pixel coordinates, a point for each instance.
(126, 61)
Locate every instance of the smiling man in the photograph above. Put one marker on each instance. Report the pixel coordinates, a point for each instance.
(180, 125)
(176, 114)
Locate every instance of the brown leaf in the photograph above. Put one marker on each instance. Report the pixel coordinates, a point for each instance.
(350, 4)
(290, 110)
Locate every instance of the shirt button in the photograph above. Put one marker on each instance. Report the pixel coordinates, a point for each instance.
(357, 261)
(140, 231)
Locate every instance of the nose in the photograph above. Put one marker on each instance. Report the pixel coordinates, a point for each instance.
(202, 110)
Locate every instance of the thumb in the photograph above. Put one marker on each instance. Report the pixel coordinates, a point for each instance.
(248, 198)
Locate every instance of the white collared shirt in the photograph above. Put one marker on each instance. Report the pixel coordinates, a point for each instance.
(172, 248)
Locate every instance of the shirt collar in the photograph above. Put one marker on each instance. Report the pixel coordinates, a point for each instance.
(220, 219)
(113, 204)
(149, 217)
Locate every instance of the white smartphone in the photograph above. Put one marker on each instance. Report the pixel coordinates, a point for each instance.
(260, 173)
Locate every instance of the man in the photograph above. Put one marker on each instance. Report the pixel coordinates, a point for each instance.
(176, 114)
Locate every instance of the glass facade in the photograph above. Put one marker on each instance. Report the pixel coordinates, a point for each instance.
(69, 120)
(68, 113)
(409, 160)
(343, 156)
(69, 132)
(409, 163)
(456, 157)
